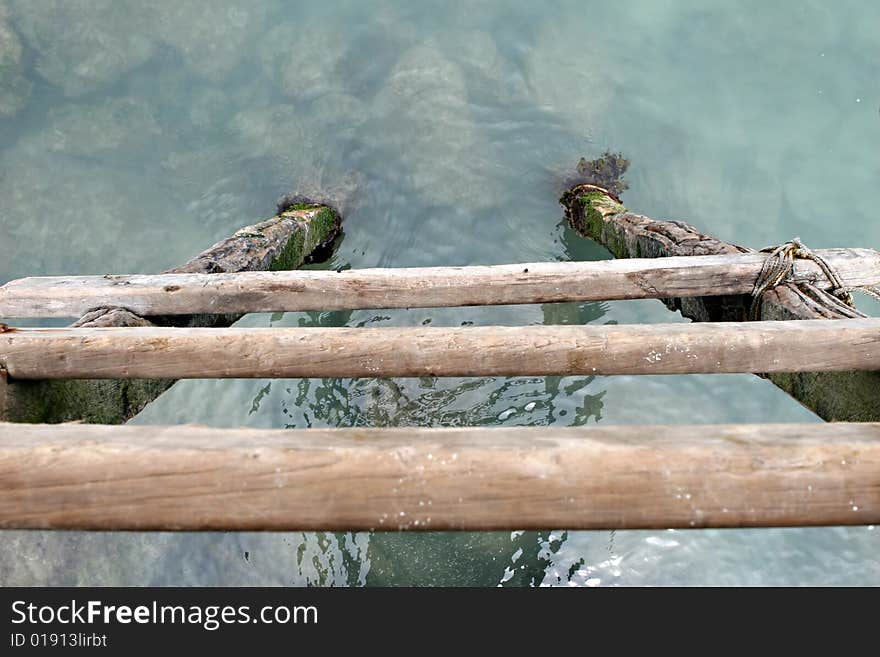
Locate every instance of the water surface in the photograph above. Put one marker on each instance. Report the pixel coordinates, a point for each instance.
(132, 136)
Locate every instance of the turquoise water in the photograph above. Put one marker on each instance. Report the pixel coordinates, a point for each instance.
(133, 135)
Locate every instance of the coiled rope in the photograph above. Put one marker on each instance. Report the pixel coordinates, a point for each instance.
(778, 269)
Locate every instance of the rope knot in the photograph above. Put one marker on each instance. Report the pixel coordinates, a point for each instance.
(778, 269)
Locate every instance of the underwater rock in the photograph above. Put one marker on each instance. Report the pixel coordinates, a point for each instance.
(424, 70)
(302, 61)
(208, 108)
(14, 87)
(210, 35)
(344, 112)
(66, 215)
(216, 192)
(575, 83)
(489, 77)
(435, 147)
(293, 151)
(275, 131)
(81, 45)
(95, 128)
(187, 105)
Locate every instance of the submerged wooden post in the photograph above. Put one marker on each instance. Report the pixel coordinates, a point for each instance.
(834, 396)
(617, 477)
(284, 241)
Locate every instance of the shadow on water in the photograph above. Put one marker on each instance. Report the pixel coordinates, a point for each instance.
(445, 558)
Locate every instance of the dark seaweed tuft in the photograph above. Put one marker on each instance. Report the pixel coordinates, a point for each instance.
(606, 171)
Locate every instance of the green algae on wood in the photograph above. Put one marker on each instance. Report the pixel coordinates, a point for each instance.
(834, 396)
(587, 206)
(286, 241)
(310, 243)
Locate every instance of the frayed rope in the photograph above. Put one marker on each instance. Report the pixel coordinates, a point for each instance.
(778, 269)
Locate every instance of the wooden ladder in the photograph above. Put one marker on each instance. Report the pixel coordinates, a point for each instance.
(140, 333)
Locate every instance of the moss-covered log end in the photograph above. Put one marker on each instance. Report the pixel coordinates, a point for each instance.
(587, 209)
(320, 226)
(302, 232)
(598, 215)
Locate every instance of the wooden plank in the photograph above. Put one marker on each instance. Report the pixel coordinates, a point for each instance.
(427, 287)
(834, 396)
(152, 352)
(616, 477)
(286, 240)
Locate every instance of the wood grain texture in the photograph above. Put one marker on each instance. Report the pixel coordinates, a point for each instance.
(618, 477)
(427, 287)
(834, 396)
(151, 352)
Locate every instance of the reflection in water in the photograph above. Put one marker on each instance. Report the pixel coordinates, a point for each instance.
(325, 559)
(453, 558)
(459, 558)
(435, 402)
(133, 134)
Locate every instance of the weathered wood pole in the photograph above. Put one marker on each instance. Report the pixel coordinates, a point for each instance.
(285, 241)
(197, 478)
(192, 353)
(425, 287)
(834, 396)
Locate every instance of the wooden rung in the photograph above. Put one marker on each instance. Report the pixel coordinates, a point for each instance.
(187, 353)
(614, 477)
(253, 291)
